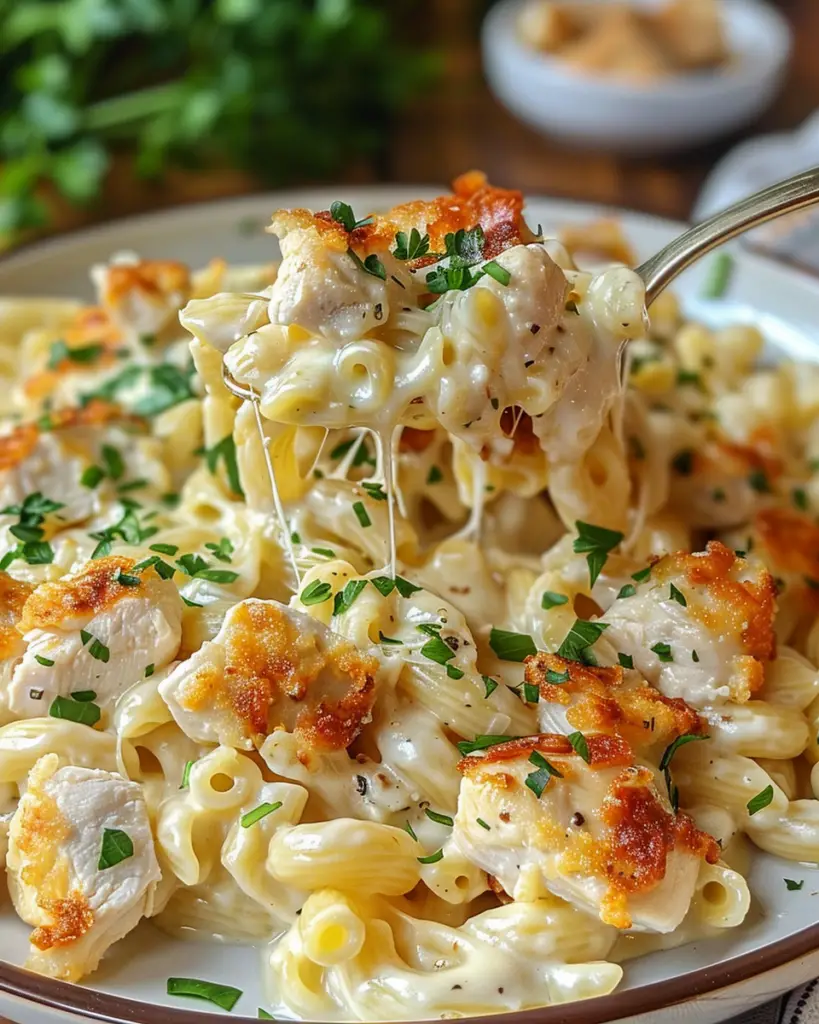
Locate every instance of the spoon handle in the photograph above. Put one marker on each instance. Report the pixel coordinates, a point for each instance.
(794, 194)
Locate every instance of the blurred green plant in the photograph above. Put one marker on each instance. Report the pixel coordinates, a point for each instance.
(281, 88)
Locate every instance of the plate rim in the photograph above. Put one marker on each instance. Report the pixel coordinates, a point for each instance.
(79, 1002)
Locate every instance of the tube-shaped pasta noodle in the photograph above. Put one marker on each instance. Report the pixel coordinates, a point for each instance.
(357, 856)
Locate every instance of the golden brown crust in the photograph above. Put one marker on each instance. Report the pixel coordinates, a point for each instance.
(790, 541)
(13, 596)
(267, 660)
(156, 279)
(17, 445)
(604, 752)
(600, 703)
(91, 326)
(92, 590)
(473, 201)
(71, 918)
(743, 609)
(640, 834)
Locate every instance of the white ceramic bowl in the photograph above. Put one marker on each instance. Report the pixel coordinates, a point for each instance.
(777, 948)
(669, 114)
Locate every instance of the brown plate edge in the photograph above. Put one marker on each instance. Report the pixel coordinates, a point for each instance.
(77, 1000)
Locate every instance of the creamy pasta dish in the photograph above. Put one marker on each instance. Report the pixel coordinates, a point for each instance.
(416, 610)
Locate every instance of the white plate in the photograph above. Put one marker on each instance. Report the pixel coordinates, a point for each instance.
(704, 982)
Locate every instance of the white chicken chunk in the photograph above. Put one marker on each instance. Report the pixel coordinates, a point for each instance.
(96, 630)
(142, 296)
(535, 815)
(81, 864)
(320, 286)
(271, 667)
(700, 626)
(50, 459)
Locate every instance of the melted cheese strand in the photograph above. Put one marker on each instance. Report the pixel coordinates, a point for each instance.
(385, 465)
(274, 490)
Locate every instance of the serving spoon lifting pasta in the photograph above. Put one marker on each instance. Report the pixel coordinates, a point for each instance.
(775, 201)
(657, 273)
(660, 270)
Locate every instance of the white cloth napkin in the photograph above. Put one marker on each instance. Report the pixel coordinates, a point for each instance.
(798, 1007)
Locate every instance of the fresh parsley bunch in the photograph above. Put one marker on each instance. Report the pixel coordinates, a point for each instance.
(285, 89)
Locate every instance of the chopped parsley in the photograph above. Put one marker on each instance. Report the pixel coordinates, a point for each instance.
(580, 745)
(412, 246)
(642, 575)
(117, 846)
(342, 213)
(490, 685)
(410, 831)
(167, 387)
(557, 678)
(511, 646)
(224, 996)
(91, 477)
(83, 696)
(720, 272)
(186, 774)
(361, 514)
(663, 651)
(799, 497)
(551, 599)
(345, 598)
(481, 742)
(434, 476)
(538, 780)
(224, 451)
(371, 265)
(29, 530)
(389, 639)
(316, 592)
(114, 466)
(433, 858)
(793, 886)
(81, 712)
(531, 693)
(626, 660)
(437, 650)
(441, 819)
(164, 549)
(258, 813)
(760, 801)
(758, 481)
(221, 550)
(483, 824)
(580, 637)
(149, 670)
(45, 662)
(629, 590)
(596, 542)
(680, 741)
(497, 272)
(678, 596)
(60, 353)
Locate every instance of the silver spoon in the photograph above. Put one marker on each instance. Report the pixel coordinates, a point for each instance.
(660, 270)
(787, 196)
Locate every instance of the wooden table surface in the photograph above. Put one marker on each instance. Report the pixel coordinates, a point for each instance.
(462, 126)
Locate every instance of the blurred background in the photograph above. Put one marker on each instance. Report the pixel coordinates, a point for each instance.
(110, 107)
